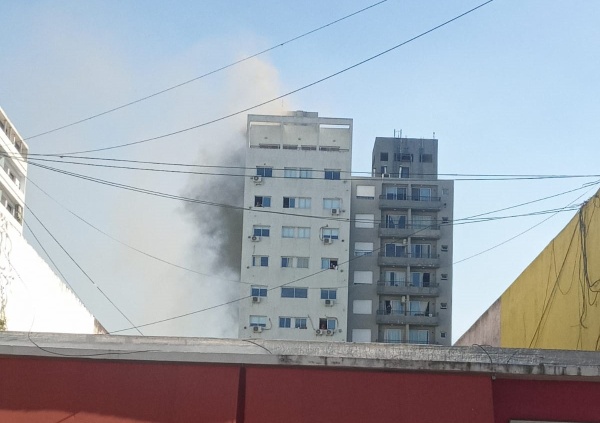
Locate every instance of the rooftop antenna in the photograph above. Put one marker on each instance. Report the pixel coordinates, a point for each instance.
(433, 134)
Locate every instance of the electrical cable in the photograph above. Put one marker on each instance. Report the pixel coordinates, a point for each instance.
(81, 269)
(237, 62)
(287, 94)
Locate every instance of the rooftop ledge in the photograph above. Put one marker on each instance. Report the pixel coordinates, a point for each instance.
(501, 362)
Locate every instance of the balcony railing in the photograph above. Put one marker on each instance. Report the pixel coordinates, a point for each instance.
(429, 260)
(406, 317)
(403, 341)
(409, 230)
(391, 201)
(406, 288)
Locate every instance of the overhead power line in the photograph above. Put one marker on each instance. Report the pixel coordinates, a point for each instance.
(459, 176)
(247, 109)
(237, 62)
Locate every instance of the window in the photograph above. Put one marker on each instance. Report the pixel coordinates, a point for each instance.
(443, 306)
(258, 291)
(404, 172)
(445, 248)
(394, 221)
(302, 262)
(258, 321)
(300, 323)
(285, 322)
(421, 194)
(445, 191)
(287, 261)
(260, 261)
(395, 193)
(332, 203)
(331, 233)
(363, 248)
(328, 294)
(421, 279)
(419, 308)
(262, 201)
(362, 306)
(420, 250)
(292, 292)
(332, 174)
(383, 157)
(394, 278)
(426, 158)
(325, 323)
(294, 172)
(422, 222)
(403, 157)
(264, 171)
(391, 307)
(365, 191)
(305, 173)
(442, 334)
(395, 250)
(287, 232)
(303, 232)
(329, 263)
(364, 220)
(393, 336)
(290, 172)
(361, 335)
(363, 277)
(444, 220)
(261, 231)
(418, 336)
(444, 276)
(296, 203)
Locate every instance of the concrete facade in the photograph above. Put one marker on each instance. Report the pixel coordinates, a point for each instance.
(554, 303)
(295, 240)
(401, 247)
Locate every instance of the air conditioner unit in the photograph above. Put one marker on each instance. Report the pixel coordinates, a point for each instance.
(327, 241)
(256, 299)
(255, 238)
(257, 329)
(330, 332)
(257, 179)
(319, 331)
(329, 303)
(385, 175)
(335, 212)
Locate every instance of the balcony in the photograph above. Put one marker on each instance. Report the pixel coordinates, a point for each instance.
(401, 317)
(407, 288)
(387, 201)
(431, 231)
(431, 260)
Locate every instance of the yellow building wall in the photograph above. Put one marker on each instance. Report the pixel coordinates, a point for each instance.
(555, 302)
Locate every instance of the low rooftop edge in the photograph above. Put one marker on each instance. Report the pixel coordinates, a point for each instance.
(499, 362)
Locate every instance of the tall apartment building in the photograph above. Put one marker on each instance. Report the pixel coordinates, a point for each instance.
(295, 240)
(401, 247)
(13, 156)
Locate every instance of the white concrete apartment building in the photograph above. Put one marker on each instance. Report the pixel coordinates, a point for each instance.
(32, 297)
(13, 161)
(400, 287)
(295, 240)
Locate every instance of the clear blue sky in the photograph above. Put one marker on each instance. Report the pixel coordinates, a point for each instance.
(509, 89)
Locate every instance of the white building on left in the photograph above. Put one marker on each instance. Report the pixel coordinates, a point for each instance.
(32, 296)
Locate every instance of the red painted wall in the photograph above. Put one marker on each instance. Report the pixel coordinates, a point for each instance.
(46, 390)
(322, 395)
(546, 400)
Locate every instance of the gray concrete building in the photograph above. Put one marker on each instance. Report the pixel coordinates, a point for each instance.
(400, 288)
(295, 240)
